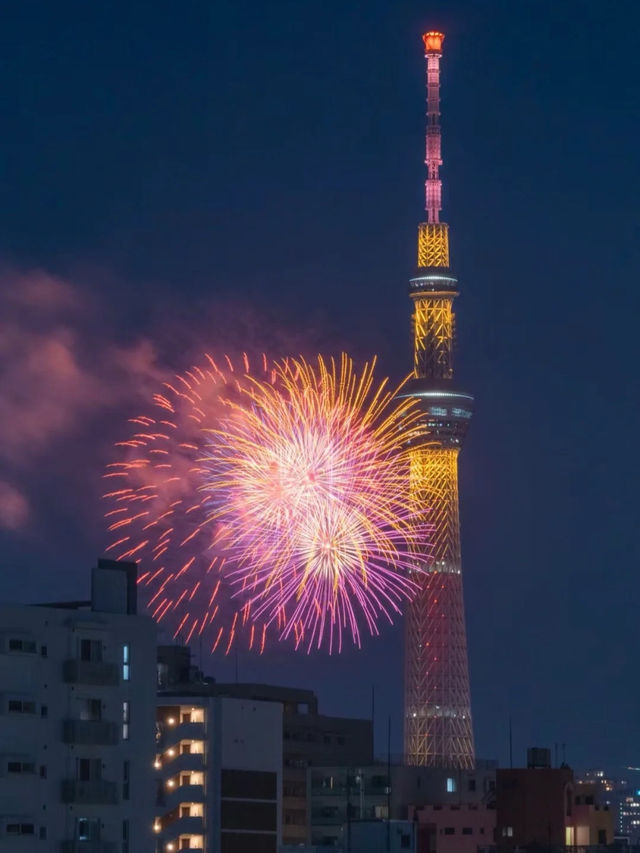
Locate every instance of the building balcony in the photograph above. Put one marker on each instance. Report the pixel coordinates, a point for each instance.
(183, 826)
(90, 732)
(96, 792)
(96, 673)
(171, 798)
(184, 761)
(183, 731)
(87, 847)
(318, 792)
(328, 820)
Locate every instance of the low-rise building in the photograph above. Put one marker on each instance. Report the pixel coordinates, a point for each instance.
(340, 795)
(543, 806)
(77, 708)
(593, 821)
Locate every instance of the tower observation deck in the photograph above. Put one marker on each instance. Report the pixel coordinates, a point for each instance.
(437, 710)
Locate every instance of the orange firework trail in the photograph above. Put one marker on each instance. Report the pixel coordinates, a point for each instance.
(270, 501)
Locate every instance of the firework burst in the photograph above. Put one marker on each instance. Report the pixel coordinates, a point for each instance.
(273, 500)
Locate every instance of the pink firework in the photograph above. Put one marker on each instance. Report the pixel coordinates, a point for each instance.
(270, 501)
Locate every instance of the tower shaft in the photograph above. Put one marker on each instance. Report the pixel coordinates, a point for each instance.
(438, 728)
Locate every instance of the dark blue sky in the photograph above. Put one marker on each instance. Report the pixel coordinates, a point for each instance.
(265, 159)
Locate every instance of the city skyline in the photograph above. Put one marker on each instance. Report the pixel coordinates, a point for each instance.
(172, 171)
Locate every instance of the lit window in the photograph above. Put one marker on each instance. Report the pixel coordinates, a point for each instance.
(451, 785)
(125, 662)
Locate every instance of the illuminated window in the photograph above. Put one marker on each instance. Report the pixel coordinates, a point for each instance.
(125, 662)
(451, 785)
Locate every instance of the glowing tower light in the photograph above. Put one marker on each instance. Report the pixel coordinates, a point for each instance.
(438, 730)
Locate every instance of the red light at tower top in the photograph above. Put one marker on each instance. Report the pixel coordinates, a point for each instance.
(433, 159)
(433, 42)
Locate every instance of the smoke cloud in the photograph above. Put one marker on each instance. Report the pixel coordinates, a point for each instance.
(60, 371)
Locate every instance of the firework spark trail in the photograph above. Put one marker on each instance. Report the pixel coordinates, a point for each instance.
(281, 494)
(312, 472)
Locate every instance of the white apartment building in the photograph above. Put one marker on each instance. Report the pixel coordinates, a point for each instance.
(77, 710)
(219, 774)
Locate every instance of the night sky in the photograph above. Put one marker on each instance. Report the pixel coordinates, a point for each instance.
(181, 177)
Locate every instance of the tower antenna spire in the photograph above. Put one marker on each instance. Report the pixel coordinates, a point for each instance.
(433, 155)
(437, 726)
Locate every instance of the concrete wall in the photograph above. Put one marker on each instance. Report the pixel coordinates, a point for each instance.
(50, 674)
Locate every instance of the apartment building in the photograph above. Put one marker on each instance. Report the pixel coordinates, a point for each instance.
(77, 708)
(309, 738)
(219, 774)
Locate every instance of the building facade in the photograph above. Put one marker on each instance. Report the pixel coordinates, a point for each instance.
(77, 708)
(340, 796)
(219, 774)
(455, 828)
(309, 738)
(543, 806)
(620, 791)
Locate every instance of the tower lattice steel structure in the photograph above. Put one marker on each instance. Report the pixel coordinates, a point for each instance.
(438, 730)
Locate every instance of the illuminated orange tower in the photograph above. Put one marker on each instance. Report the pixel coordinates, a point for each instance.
(438, 730)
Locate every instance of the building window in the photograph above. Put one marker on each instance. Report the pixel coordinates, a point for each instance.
(87, 829)
(88, 769)
(125, 720)
(125, 836)
(472, 785)
(21, 706)
(91, 650)
(125, 780)
(21, 767)
(449, 830)
(451, 785)
(467, 830)
(125, 662)
(91, 709)
(507, 832)
(44, 710)
(20, 829)
(17, 644)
